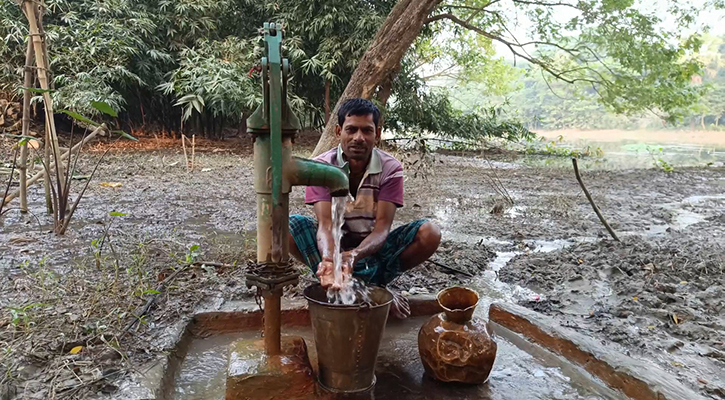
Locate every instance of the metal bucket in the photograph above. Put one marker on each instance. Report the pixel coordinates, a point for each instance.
(347, 339)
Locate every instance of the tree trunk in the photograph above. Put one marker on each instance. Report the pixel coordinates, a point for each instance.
(384, 54)
(386, 89)
(702, 121)
(327, 100)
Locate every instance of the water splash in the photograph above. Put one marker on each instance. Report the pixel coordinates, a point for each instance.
(344, 290)
(338, 219)
(353, 292)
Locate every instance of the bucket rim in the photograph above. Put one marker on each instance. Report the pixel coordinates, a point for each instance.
(347, 306)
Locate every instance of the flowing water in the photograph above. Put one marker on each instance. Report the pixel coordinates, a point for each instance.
(341, 292)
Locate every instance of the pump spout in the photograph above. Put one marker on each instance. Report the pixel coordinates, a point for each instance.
(306, 172)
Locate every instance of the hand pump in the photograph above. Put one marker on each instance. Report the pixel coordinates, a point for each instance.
(273, 126)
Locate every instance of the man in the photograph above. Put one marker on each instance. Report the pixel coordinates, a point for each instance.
(371, 251)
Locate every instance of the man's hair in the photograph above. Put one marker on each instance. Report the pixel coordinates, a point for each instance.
(358, 107)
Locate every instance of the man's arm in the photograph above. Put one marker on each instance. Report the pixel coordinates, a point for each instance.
(325, 242)
(376, 239)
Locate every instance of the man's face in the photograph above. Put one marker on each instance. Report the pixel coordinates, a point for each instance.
(358, 136)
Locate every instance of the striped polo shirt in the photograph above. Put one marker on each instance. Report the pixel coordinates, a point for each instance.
(382, 181)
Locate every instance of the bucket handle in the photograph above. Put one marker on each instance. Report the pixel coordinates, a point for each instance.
(363, 307)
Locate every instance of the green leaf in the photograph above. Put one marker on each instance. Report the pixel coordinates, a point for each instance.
(194, 248)
(104, 108)
(116, 214)
(198, 104)
(21, 137)
(150, 291)
(79, 117)
(37, 90)
(126, 135)
(34, 305)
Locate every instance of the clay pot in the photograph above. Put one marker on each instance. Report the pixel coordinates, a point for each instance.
(454, 346)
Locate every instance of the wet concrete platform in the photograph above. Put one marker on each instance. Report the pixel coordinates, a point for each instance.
(522, 371)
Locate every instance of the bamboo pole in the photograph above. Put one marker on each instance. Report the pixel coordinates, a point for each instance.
(183, 145)
(193, 147)
(46, 173)
(40, 11)
(23, 167)
(64, 156)
(38, 38)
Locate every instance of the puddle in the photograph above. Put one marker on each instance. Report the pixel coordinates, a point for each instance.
(488, 284)
(448, 211)
(501, 260)
(516, 211)
(700, 199)
(683, 218)
(475, 206)
(400, 374)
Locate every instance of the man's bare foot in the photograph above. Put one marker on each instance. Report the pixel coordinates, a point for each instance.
(399, 308)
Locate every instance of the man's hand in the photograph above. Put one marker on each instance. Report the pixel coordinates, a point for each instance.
(348, 262)
(326, 273)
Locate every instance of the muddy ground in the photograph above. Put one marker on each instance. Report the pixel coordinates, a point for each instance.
(658, 295)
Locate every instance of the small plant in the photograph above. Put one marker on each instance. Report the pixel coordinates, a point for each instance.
(21, 316)
(665, 166)
(657, 160)
(192, 254)
(60, 168)
(97, 244)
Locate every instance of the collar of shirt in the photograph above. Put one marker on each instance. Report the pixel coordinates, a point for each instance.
(375, 166)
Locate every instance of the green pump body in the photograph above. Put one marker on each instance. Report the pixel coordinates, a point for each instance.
(273, 125)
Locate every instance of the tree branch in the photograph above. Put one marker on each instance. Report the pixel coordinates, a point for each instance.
(591, 201)
(452, 7)
(440, 73)
(567, 50)
(436, 18)
(546, 4)
(557, 74)
(475, 10)
(510, 45)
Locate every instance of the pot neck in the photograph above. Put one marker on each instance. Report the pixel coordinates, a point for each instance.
(459, 316)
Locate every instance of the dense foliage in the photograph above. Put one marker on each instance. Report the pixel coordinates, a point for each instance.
(156, 62)
(186, 64)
